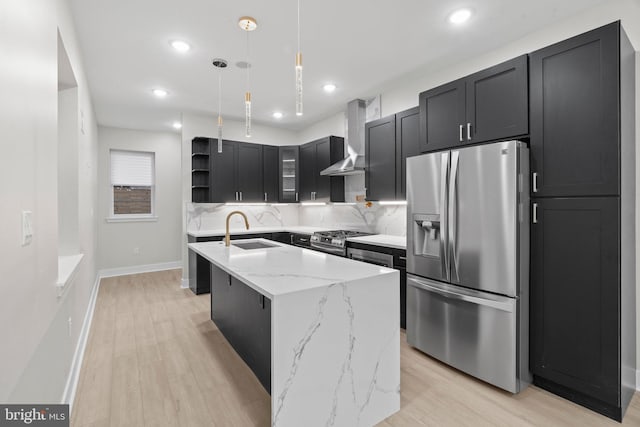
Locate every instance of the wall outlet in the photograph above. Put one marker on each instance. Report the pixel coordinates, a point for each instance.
(136, 251)
(27, 227)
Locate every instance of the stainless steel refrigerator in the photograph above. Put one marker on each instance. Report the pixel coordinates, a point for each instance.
(468, 260)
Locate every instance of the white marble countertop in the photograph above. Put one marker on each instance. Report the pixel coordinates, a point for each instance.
(285, 269)
(257, 230)
(386, 240)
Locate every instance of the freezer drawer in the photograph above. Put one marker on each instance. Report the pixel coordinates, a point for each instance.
(472, 331)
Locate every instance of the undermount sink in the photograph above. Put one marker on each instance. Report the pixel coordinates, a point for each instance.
(254, 245)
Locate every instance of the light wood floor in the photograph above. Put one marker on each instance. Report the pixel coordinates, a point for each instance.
(154, 358)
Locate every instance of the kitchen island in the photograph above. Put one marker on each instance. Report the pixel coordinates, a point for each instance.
(329, 326)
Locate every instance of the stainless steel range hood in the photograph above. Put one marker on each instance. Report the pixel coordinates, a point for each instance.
(354, 163)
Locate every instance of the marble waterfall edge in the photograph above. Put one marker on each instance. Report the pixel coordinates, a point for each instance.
(340, 364)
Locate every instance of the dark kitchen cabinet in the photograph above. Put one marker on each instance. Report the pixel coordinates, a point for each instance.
(489, 105)
(498, 102)
(583, 282)
(200, 153)
(249, 172)
(575, 115)
(289, 175)
(442, 116)
(270, 172)
(380, 149)
(243, 316)
(388, 143)
(237, 173)
(314, 157)
(575, 295)
(407, 145)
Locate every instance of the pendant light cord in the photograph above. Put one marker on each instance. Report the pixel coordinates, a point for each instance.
(219, 92)
(248, 65)
(298, 26)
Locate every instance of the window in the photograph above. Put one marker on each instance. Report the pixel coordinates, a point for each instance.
(132, 184)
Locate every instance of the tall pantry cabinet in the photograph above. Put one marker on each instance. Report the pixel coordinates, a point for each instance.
(582, 129)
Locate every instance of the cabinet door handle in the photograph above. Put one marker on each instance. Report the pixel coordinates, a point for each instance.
(296, 196)
(241, 196)
(291, 238)
(468, 131)
(265, 197)
(236, 196)
(535, 182)
(535, 213)
(461, 132)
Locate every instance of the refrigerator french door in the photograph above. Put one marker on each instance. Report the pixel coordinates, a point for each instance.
(468, 260)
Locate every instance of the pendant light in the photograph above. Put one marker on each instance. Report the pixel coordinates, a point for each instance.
(220, 64)
(299, 71)
(247, 24)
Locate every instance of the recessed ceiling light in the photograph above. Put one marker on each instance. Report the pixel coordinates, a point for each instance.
(460, 16)
(329, 87)
(277, 115)
(177, 125)
(180, 46)
(160, 93)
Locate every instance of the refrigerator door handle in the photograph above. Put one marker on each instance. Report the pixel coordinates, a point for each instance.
(468, 295)
(444, 247)
(453, 213)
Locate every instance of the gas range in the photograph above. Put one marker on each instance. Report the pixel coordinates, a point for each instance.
(334, 241)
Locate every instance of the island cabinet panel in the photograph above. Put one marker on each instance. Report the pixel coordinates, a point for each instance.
(243, 315)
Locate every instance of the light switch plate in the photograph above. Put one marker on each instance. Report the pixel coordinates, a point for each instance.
(27, 227)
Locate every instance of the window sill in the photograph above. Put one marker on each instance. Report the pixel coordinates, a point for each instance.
(131, 219)
(67, 267)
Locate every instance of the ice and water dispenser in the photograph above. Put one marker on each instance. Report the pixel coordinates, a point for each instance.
(426, 235)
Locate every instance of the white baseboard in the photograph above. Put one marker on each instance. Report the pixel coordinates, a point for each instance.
(69, 394)
(135, 269)
(184, 284)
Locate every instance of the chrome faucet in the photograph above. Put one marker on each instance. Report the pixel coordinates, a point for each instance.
(227, 238)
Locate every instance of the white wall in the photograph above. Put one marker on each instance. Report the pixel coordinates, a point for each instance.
(156, 241)
(39, 330)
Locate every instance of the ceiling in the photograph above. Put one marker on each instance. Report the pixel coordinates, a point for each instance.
(360, 45)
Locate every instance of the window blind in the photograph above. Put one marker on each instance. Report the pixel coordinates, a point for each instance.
(131, 168)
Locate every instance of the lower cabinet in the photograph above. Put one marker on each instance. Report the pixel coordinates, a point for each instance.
(575, 299)
(243, 315)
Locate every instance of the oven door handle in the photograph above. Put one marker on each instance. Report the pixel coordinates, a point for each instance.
(338, 251)
(467, 295)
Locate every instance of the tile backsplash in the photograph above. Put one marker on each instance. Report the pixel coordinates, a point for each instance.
(211, 216)
(375, 219)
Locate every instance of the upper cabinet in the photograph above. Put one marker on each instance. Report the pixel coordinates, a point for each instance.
(575, 116)
(489, 105)
(288, 173)
(270, 173)
(314, 157)
(388, 143)
(237, 173)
